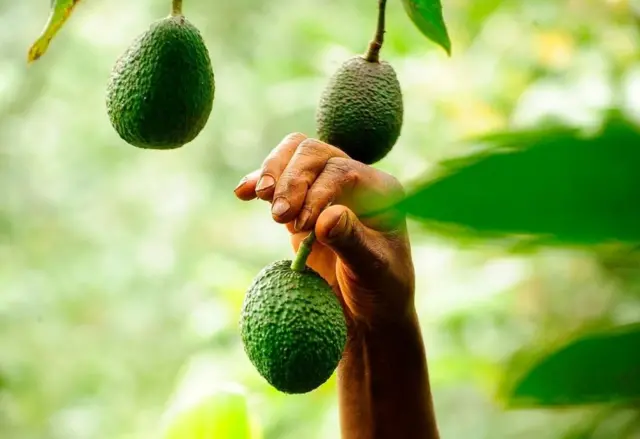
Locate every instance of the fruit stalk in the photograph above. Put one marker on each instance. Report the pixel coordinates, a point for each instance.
(176, 8)
(300, 261)
(373, 53)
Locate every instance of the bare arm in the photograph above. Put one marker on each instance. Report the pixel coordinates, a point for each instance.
(383, 385)
(383, 381)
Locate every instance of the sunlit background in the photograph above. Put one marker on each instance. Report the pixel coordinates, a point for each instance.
(122, 271)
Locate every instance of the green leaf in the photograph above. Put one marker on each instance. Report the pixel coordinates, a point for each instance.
(556, 185)
(60, 11)
(427, 16)
(599, 367)
(222, 414)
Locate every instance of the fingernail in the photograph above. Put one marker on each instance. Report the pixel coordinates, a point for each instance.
(241, 183)
(302, 220)
(265, 182)
(338, 228)
(280, 207)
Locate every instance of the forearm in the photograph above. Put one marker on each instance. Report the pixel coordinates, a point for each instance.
(384, 387)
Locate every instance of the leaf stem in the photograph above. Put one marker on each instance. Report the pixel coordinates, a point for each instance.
(373, 52)
(176, 8)
(300, 261)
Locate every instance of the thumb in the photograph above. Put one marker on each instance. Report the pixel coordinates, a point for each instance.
(360, 248)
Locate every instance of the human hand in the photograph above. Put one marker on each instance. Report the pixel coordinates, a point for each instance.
(364, 256)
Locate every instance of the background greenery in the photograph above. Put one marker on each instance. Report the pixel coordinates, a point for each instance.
(122, 271)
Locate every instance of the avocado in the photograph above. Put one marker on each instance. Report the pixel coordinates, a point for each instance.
(161, 90)
(361, 109)
(292, 327)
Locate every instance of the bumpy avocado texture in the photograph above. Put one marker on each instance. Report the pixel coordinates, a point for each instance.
(361, 109)
(292, 327)
(161, 90)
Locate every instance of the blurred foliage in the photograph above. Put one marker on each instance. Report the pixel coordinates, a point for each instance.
(120, 266)
(555, 184)
(595, 368)
(218, 413)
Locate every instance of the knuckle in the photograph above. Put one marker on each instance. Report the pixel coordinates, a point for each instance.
(277, 154)
(296, 136)
(310, 147)
(393, 183)
(269, 161)
(352, 176)
(291, 181)
(394, 187)
(339, 163)
(343, 167)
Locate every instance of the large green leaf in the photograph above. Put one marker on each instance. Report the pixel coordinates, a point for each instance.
(554, 184)
(60, 11)
(599, 367)
(427, 16)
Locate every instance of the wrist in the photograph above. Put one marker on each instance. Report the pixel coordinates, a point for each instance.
(383, 379)
(388, 334)
(385, 326)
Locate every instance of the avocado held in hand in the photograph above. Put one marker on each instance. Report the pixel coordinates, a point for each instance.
(292, 327)
(161, 90)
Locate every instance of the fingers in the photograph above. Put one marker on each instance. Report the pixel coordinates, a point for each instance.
(261, 182)
(334, 184)
(274, 165)
(357, 246)
(246, 189)
(363, 189)
(306, 165)
(302, 176)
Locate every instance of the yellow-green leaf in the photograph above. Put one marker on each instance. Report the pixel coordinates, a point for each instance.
(60, 12)
(598, 367)
(428, 18)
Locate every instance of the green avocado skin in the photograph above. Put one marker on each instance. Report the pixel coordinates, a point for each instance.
(292, 327)
(161, 90)
(361, 109)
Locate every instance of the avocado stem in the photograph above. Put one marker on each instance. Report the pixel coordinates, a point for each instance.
(373, 52)
(176, 8)
(300, 261)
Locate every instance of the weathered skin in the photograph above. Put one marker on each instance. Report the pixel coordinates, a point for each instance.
(384, 390)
